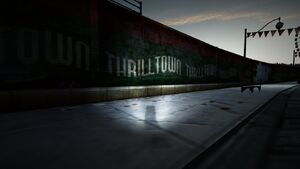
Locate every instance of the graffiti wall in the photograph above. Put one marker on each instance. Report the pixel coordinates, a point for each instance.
(138, 51)
(44, 43)
(79, 43)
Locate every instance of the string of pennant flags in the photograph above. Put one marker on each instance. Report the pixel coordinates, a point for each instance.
(280, 32)
(273, 32)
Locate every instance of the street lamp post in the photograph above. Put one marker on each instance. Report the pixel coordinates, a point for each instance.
(245, 42)
(278, 26)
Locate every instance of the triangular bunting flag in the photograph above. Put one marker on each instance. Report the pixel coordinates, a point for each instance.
(248, 34)
(297, 30)
(266, 33)
(253, 34)
(273, 32)
(280, 31)
(290, 31)
(260, 33)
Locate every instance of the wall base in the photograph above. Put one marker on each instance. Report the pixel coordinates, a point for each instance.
(35, 99)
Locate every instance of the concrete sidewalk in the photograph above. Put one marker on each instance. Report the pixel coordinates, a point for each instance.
(149, 133)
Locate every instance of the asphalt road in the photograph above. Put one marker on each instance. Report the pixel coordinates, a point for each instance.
(154, 132)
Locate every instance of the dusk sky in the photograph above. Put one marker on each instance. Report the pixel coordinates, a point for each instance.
(221, 23)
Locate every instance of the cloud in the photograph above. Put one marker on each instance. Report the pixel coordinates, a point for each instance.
(190, 19)
(223, 16)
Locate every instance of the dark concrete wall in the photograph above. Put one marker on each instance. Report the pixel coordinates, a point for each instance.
(126, 34)
(55, 53)
(79, 43)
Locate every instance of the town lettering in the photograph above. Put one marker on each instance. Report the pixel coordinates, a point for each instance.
(143, 67)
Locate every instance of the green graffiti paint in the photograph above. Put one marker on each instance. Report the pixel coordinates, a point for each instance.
(137, 61)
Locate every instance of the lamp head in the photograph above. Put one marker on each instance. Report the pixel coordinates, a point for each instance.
(279, 25)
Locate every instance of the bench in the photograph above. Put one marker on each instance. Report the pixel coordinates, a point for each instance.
(248, 83)
(251, 88)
